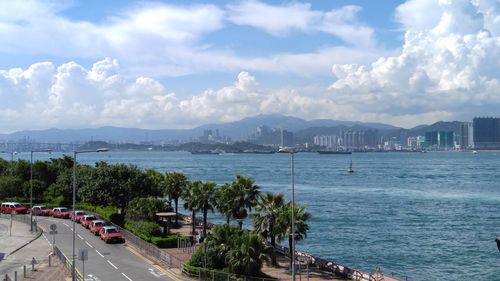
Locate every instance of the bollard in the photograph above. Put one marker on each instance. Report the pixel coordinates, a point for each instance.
(24, 270)
(15, 275)
(50, 259)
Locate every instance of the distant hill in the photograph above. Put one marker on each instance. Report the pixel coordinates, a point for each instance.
(238, 130)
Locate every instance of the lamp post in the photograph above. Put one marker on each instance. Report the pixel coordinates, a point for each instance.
(292, 159)
(31, 181)
(12, 153)
(73, 275)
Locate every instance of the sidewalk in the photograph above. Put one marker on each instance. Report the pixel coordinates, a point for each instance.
(17, 249)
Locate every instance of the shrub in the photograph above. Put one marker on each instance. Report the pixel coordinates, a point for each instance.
(144, 229)
(167, 242)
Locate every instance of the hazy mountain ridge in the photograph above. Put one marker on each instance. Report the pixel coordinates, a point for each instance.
(238, 130)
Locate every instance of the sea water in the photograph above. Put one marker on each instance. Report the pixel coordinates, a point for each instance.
(426, 216)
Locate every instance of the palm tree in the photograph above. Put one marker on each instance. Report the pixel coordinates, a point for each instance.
(220, 242)
(248, 255)
(266, 221)
(190, 201)
(284, 228)
(224, 198)
(175, 183)
(204, 200)
(245, 194)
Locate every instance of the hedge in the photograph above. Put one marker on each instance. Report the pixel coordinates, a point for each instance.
(167, 242)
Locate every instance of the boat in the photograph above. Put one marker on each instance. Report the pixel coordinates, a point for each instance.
(474, 152)
(205, 152)
(350, 170)
(333, 152)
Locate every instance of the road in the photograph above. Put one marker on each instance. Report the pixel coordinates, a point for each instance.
(105, 261)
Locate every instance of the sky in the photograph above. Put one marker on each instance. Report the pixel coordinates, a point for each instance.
(179, 64)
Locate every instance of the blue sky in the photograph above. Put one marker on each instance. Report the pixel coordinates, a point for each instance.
(166, 64)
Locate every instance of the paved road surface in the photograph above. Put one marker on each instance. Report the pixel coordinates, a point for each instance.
(105, 262)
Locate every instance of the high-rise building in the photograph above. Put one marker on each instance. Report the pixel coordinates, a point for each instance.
(486, 132)
(431, 138)
(466, 135)
(446, 139)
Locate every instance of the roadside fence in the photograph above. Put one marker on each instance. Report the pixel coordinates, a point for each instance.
(217, 275)
(67, 263)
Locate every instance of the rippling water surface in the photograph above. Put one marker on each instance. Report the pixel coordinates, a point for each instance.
(430, 216)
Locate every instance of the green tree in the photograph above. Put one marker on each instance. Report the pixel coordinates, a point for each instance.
(10, 187)
(245, 194)
(157, 180)
(219, 242)
(224, 198)
(204, 197)
(39, 188)
(114, 185)
(175, 183)
(190, 202)
(284, 229)
(266, 221)
(247, 255)
(145, 208)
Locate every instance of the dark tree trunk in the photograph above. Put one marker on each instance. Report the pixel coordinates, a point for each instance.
(193, 221)
(228, 219)
(176, 213)
(205, 223)
(273, 244)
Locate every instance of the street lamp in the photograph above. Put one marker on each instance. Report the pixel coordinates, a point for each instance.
(31, 182)
(73, 275)
(292, 154)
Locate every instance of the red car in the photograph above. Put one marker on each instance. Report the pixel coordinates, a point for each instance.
(86, 220)
(111, 234)
(96, 226)
(8, 207)
(78, 215)
(41, 211)
(61, 212)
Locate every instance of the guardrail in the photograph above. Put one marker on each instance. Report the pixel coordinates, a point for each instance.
(67, 263)
(337, 269)
(216, 275)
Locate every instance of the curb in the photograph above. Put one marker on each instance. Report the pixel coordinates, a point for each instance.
(39, 234)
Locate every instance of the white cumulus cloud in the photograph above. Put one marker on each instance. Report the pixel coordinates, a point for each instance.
(448, 67)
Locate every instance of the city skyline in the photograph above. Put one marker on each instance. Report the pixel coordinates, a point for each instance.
(80, 64)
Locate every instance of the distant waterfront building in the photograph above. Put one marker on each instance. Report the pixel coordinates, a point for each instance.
(286, 138)
(332, 141)
(440, 139)
(416, 142)
(486, 132)
(354, 139)
(466, 135)
(431, 138)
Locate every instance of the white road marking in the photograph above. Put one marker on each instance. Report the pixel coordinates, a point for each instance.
(99, 254)
(112, 264)
(89, 244)
(79, 236)
(126, 276)
(65, 224)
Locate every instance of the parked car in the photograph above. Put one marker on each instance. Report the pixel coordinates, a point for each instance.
(86, 220)
(61, 212)
(111, 234)
(8, 207)
(41, 211)
(78, 215)
(96, 226)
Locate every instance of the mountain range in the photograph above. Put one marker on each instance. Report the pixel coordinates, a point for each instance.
(238, 130)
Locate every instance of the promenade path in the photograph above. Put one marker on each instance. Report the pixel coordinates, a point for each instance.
(19, 246)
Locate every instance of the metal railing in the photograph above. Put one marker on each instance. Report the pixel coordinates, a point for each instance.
(330, 266)
(26, 270)
(218, 275)
(67, 263)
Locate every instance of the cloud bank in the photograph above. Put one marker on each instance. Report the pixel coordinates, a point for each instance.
(449, 66)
